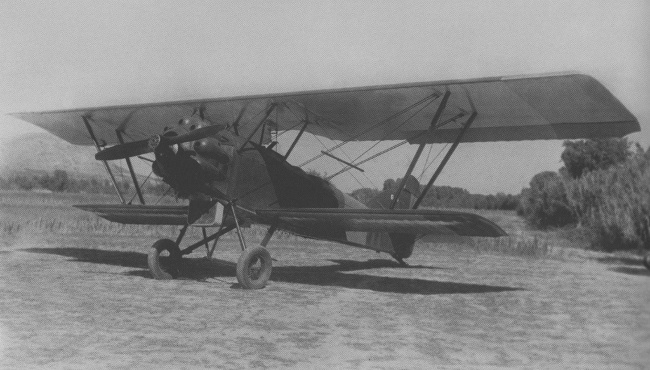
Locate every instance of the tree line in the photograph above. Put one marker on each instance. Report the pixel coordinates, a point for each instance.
(438, 197)
(604, 187)
(62, 182)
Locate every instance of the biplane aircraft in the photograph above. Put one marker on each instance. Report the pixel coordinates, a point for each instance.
(218, 154)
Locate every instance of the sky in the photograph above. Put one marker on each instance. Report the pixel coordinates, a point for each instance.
(67, 54)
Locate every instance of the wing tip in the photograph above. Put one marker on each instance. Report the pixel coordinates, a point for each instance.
(545, 75)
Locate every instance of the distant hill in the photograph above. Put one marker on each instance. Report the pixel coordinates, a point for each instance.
(44, 152)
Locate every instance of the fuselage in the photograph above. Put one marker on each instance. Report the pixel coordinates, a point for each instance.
(257, 177)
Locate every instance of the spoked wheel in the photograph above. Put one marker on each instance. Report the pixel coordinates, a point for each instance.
(254, 268)
(164, 259)
(646, 260)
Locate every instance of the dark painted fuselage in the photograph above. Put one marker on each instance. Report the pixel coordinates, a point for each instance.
(259, 178)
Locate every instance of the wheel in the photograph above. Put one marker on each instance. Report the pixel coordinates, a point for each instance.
(164, 259)
(254, 268)
(646, 260)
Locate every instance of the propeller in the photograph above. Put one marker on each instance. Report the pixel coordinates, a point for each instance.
(140, 147)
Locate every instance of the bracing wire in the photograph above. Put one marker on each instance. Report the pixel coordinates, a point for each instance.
(390, 148)
(344, 153)
(371, 157)
(351, 174)
(414, 137)
(431, 97)
(252, 118)
(428, 164)
(163, 195)
(357, 180)
(141, 186)
(426, 160)
(372, 183)
(400, 125)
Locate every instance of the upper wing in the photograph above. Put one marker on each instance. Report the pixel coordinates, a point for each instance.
(508, 108)
(412, 221)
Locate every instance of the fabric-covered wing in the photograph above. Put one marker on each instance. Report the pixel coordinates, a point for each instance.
(420, 221)
(509, 108)
(139, 214)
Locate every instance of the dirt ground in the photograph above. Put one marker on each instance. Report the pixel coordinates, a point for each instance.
(89, 302)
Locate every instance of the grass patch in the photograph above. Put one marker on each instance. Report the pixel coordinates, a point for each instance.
(24, 213)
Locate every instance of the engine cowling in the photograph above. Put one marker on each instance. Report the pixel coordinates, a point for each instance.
(212, 149)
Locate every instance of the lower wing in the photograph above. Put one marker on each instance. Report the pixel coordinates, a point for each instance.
(139, 214)
(411, 221)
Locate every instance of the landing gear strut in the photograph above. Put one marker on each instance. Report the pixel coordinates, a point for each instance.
(400, 260)
(254, 265)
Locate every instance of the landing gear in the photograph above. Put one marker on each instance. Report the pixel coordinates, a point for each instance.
(254, 265)
(254, 268)
(164, 259)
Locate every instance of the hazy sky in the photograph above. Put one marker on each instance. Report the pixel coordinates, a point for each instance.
(67, 54)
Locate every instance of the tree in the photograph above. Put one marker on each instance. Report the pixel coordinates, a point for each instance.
(58, 182)
(390, 185)
(545, 203)
(582, 156)
(366, 196)
(316, 173)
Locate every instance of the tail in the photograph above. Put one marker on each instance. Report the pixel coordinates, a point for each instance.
(403, 243)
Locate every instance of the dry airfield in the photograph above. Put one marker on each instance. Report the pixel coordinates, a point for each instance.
(76, 293)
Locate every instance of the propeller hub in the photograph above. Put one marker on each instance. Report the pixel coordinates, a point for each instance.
(154, 141)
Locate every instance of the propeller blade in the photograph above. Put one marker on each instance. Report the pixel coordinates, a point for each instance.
(198, 134)
(125, 150)
(140, 147)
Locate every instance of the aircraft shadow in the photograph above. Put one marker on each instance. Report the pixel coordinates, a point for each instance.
(626, 265)
(105, 257)
(641, 270)
(339, 275)
(618, 260)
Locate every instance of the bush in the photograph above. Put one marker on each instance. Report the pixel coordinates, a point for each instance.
(615, 204)
(545, 203)
(437, 197)
(583, 156)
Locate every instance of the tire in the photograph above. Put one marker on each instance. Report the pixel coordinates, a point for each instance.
(254, 268)
(164, 267)
(646, 260)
